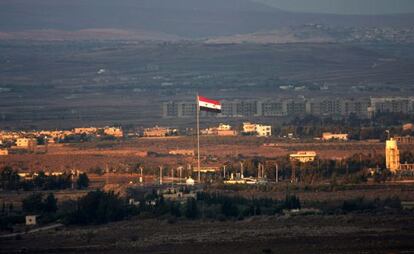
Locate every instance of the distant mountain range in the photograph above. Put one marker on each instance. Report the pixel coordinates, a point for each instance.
(162, 19)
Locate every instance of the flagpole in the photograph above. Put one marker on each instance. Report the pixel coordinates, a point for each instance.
(198, 140)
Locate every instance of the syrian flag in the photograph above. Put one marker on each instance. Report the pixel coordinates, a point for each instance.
(206, 104)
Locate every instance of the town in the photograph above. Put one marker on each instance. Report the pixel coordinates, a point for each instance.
(219, 126)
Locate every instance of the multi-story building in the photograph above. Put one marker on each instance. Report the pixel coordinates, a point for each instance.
(293, 107)
(272, 108)
(278, 107)
(247, 108)
(338, 107)
(358, 107)
(187, 109)
(391, 105)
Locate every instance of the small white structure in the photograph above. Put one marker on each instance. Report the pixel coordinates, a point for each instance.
(189, 181)
(31, 220)
(133, 202)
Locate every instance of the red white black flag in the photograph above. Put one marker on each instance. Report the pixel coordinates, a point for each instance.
(208, 104)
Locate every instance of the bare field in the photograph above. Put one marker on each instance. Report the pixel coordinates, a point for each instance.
(124, 154)
(356, 233)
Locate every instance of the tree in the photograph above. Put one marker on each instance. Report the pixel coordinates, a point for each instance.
(292, 202)
(191, 211)
(50, 204)
(40, 180)
(229, 209)
(98, 207)
(83, 181)
(10, 180)
(33, 204)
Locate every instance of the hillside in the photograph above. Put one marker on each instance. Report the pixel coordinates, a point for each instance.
(178, 18)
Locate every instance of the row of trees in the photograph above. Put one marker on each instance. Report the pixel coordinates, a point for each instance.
(99, 207)
(353, 167)
(10, 180)
(357, 128)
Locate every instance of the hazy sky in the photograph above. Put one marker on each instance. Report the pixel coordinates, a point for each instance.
(346, 6)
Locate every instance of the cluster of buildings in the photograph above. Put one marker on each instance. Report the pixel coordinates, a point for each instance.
(109, 131)
(29, 140)
(221, 130)
(157, 132)
(248, 128)
(279, 107)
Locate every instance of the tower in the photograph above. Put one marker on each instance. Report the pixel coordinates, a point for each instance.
(392, 155)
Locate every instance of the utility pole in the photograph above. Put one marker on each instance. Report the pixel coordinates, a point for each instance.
(160, 175)
(180, 170)
(277, 173)
(198, 140)
(241, 170)
(172, 177)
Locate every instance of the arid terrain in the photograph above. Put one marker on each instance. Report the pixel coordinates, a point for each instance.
(385, 234)
(123, 154)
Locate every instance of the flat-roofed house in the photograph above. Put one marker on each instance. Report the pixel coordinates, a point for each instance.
(303, 156)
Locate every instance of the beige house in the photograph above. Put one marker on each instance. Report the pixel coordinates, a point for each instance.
(156, 132)
(28, 143)
(113, 131)
(408, 127)
(4, 152)
(89, 130)
(330, 136)
(183, 152)
(303, 156)
(259, 129)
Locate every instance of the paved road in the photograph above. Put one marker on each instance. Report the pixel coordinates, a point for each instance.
(33, 230)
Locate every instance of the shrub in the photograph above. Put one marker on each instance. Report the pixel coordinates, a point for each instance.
(292, 202)
(98, 207)
(357, 204)
(191, 211)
